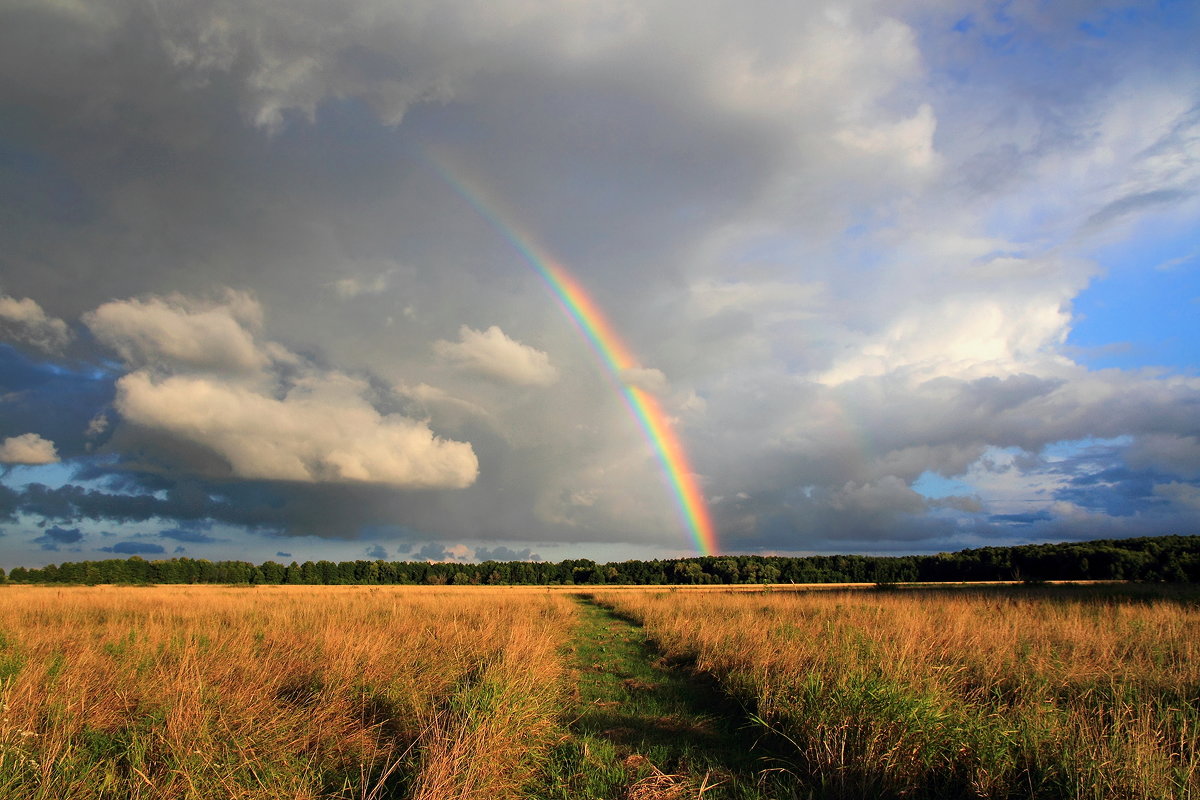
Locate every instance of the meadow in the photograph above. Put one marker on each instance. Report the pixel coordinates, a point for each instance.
(503, 692)
(1081, 692)
(156, 692)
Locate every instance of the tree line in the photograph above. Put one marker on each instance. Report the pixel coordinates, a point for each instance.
(1158, 558)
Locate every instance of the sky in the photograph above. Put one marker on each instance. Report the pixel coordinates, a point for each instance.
(277, 279)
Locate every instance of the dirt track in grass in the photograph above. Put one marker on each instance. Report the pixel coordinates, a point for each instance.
(644, 728)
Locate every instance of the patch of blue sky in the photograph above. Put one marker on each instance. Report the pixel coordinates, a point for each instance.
(1072, 449)
(1145, 310)
(934, 486)
(1105, 23)
(55, 475)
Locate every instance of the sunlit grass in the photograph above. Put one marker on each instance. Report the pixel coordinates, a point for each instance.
(478, 692)
(1007, 693)
(278, 692)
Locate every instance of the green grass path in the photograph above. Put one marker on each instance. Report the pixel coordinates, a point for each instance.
(641, 728)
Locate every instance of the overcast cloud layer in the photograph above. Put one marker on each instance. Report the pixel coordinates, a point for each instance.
(907, 277)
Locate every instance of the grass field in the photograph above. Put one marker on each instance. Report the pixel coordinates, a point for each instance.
(477, 692)
(276, 693)
(1051, 692)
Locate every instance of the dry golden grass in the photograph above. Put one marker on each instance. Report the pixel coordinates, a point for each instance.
(276, 692)
(1051, 693)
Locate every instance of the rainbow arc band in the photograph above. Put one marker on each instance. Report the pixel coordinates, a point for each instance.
(613, 354)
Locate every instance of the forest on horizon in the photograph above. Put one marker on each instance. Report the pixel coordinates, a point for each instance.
(1157, 558)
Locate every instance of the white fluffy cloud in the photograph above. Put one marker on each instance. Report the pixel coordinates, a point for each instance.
(204, 378)
(182, 332)
(962, 337)
(322, 430)
(28, 448)
(26, 321)
(494, 354)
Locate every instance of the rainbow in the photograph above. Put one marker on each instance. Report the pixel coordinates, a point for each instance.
(614, 355)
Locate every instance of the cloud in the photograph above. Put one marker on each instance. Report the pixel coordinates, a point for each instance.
(444, 406)
(647, 379)
(54, 538)
(202, 377)
(25, 321)
(965, 335)
(176, 331)
(1172, 453)
(355, 286)
(28, 448)
(54, 399)
(856, 239)
(433, 551)
(189, 535)
(1131, 204)
(64, 535)
(133, 548)
(770, 301)
(502, 553)
(970, 505)
(495, 355)
(322, 430)
(1184, 494)
(282, 554)
(376, 552)
(97, 425)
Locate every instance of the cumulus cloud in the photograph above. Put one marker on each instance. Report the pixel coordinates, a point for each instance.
(494, 354)
(962, 338)
(321, 430)
(177, 331)
(502, 553)
(434, 551)
(202, 377)
(25, 321)
(28, 448)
